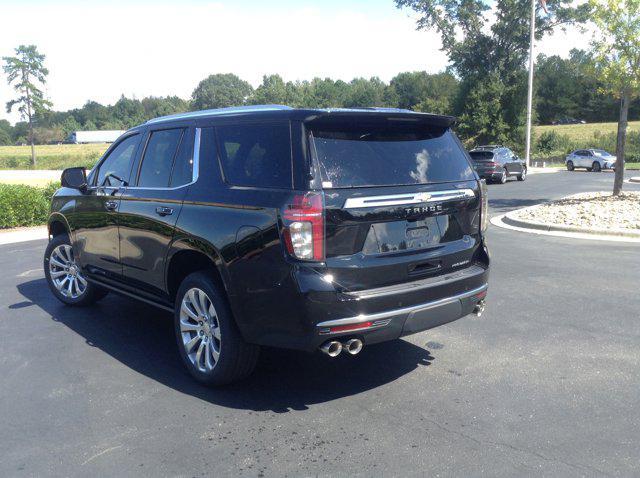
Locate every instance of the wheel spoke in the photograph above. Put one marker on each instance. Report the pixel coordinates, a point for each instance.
(56, 274)
(199, 353)
(191, 344)
(215, 331)
(82, 280)
(56, 262)
(187, 310)
(208, 358)
(203, 302)
(215, 353)
(188, 326)
(193, 299)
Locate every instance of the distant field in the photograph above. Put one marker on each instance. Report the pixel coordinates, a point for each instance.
(585, 132)
(51, 156)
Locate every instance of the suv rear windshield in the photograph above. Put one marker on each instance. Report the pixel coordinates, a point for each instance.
(385, 155)
(480, 155)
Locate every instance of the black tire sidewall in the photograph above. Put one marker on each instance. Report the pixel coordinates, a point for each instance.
(595, 167)
(570, 165)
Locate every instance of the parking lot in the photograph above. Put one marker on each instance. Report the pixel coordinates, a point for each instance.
(546, 382)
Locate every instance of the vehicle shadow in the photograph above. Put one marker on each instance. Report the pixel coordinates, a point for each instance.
(141, 337)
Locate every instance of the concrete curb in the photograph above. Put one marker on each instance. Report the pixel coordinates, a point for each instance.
(24, 234)
(564, 228)
(499, 222)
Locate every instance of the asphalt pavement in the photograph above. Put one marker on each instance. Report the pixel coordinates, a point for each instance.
(546, 382)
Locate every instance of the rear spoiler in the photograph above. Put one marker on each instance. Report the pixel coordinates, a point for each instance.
(379, 114)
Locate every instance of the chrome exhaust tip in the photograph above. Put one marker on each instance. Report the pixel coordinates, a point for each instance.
(353, 346)
(332, 348)
(479, 308)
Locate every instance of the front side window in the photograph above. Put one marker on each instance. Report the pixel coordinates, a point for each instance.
(256, 154)
(352, 155)
(116, 168)
(157, 163)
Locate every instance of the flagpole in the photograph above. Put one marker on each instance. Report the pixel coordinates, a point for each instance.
(530, 92)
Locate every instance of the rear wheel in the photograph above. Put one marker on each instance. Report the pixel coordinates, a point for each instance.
(208, 339)
(523, 175)
(570, 166)
(64, 277)
(595, 167)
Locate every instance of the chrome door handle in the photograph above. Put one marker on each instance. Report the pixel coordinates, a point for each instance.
(111, 205)
(164, 211)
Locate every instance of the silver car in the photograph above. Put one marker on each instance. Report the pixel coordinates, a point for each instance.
(592, 159)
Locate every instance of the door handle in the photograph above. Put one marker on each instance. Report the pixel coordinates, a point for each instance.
(164, 211)
(111, 205)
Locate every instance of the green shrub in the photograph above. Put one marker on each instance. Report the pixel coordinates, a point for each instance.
(552, 142)
(22, 205)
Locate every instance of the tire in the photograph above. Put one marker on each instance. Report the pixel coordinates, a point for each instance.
(589, 169)
(208, 338)
(503, 178)
(570, 166)
(523, 175)
(64, 277)
(595, 167)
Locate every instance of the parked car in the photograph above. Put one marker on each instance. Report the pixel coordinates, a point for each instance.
(592, 159)
(497, 163)
(299, 228)
(568, 120)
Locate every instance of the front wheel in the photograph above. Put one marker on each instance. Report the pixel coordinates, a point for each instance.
(208, 338)
(595, 167)
(570, 166)
(523, 175)
(64, 277)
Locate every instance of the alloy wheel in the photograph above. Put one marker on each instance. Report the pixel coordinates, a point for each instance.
(200, 330)
(65, 273)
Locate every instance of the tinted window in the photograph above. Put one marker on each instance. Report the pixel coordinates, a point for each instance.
(158, 158)
(183, 165)
(481, 155)
(256, 155)
(381, 155)
(115, 169)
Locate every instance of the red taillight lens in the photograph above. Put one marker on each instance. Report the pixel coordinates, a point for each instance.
(491, 164)
(350, 327)
(304, 226)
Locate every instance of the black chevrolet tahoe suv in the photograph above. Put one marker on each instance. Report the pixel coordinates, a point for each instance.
(308, 229)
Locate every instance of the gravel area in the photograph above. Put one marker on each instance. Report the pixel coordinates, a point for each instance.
(600, 211)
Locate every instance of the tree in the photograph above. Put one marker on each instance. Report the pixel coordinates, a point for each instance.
(274, 91)
(617, 51)
(481, 49)
(26, 72)
(219, 91)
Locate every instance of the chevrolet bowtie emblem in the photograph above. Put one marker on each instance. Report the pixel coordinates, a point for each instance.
(422, 197)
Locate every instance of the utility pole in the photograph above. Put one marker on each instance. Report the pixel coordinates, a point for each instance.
(530, 92)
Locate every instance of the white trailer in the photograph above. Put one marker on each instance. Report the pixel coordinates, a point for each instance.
(104, 136)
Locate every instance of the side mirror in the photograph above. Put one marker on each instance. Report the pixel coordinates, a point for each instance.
(74, 178)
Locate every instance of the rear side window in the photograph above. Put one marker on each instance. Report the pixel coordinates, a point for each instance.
(157, 163)
(384, 155)
(183, 164)
(116, 168)
(256, 154)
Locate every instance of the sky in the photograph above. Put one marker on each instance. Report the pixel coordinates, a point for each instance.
(102, 50)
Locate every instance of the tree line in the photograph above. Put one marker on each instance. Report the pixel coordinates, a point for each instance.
(565, 87)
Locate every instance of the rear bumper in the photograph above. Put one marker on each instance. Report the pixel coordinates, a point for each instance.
(317, 307)
(490, 174)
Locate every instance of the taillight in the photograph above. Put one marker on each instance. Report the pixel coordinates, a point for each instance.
(491, 164)
(304, 226)
(484, 206)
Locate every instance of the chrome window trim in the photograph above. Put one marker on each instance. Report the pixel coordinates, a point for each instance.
(194, 174)
(405, 310)
(411, 198)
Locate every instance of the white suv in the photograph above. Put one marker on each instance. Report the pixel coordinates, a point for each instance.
(592, 159)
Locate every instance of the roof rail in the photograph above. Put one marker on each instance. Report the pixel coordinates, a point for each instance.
(219, 112)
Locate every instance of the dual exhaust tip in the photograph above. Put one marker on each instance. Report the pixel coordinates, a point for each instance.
(333, 348)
